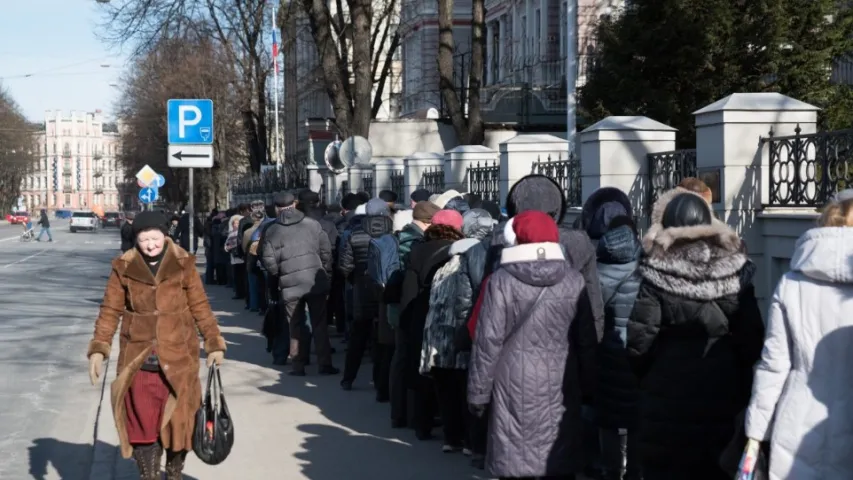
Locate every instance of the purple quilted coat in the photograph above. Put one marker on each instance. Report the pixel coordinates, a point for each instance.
(533, 372)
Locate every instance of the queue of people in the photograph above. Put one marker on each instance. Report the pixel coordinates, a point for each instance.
(547, 351)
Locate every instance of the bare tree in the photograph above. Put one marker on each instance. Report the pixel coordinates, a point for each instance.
(355, 45)
(184, 68)
(469, 126)
(237, 25)
(17, 143)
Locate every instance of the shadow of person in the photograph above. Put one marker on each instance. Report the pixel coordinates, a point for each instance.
(69, 460)
(825, 412)
(331, 452)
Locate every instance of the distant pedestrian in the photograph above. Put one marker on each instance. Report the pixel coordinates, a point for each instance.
(127, 239)
(45, 226)
(155, 288)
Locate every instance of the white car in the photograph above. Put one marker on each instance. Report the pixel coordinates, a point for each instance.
(84, 221)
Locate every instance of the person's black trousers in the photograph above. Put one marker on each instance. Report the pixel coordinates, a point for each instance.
(424, 405)
(399, 384)
(382, 355)
(240, 280)
(362, 329)
(299, 334)
(222, 273)
(336, 312)
(451, 388)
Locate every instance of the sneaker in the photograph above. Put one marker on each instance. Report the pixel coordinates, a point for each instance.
(329, 370)
(423, 436)
(467, 452)
(297, 373)
(447, 448)
(346, 385)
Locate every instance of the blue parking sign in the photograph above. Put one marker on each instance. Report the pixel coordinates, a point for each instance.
(190, 121)
(147, 195)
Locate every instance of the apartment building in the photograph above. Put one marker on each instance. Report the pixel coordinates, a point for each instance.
(526, 51)
(306, 104)
(77, 166)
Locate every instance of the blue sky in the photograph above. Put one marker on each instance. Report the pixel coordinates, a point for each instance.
(56, 42)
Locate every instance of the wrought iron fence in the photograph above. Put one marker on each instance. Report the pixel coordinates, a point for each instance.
(367, 183)
(268, 183)
(566, 172)
(433, 179)
(668, 169)
(807, 170)
(485, 181)
(398, 185)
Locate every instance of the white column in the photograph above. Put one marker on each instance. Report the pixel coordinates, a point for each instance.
(545, 69)
(490, 52)
(502, 39)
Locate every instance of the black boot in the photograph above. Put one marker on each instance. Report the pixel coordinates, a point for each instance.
(175, 464)
(148, 461)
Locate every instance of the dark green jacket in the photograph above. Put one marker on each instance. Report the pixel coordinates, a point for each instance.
(409, 236)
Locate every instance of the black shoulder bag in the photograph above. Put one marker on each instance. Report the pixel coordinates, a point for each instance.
(213, 435)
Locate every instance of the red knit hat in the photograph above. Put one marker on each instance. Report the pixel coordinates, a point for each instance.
(448, 217)
(531, 226)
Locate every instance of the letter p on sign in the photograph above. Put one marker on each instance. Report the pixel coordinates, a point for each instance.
(184, 121)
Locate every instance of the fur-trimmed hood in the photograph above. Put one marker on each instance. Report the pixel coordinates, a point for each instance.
(702, 262)
(657, 214)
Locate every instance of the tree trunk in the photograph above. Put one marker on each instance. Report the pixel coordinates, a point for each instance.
(337, 86)
(384, 73)
(361, 14)
(446, 50)
(476, 128)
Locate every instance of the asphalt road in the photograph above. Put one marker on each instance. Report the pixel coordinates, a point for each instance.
(49, 297)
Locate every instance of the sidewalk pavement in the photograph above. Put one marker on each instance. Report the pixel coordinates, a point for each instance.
(292, 427)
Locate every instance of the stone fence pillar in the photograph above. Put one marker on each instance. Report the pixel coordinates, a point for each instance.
(416, 164)
(457, 161)
(518, 154)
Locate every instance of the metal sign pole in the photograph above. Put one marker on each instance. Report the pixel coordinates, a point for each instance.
(191, 212)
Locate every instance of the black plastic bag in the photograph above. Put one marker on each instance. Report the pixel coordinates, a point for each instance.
(213, 436)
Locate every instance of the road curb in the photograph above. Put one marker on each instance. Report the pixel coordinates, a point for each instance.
(105, 451)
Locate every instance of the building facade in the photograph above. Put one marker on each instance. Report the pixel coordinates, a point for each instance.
(77, 167)
(526, 51)
(306, 103)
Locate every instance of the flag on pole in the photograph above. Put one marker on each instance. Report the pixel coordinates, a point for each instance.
(274, 51)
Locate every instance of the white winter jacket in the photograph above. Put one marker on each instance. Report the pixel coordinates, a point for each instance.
(802, 397)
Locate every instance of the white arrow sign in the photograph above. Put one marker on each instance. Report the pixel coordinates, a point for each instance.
(191, 156)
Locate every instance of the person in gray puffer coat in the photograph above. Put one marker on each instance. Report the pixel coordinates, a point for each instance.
(297, 251)
(617, 388)
(533, 355)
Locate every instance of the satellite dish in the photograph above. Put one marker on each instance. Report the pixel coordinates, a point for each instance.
(333, 158)
(355, 150)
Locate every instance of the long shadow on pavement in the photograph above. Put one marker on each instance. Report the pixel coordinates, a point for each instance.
(69, 460)
(362, 443)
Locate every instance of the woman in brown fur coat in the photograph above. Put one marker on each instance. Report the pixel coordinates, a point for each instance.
(157, 293)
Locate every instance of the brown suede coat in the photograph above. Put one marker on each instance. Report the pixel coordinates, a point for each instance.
(162, 312)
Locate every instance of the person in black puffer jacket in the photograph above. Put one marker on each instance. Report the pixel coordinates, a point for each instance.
(694, 336)
(353, 265)
(337, 296)
(617, 388)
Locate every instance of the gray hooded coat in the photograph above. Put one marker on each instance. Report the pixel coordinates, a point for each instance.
(529, 362)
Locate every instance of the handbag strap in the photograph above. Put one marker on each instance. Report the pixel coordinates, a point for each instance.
(529, 313)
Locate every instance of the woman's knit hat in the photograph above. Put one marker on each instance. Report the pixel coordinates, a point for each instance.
(531, 226)
(148, 220)
(450, 218)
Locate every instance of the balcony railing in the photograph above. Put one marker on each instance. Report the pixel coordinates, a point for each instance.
(66, 173)
(97, 172)
(67, 189)
(97, 156)
(99, 189)
(66, 154)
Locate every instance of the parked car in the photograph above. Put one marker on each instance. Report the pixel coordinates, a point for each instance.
(84, 221)
(18, 217)
(112, 219)
(62, 214)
